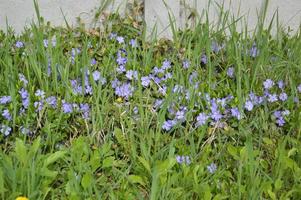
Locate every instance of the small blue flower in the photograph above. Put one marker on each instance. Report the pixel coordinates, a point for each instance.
(249, 105)
(6, 130)
(5, 100)
(201, 119)
(6, 114)
(283, 96)
(145, 81)
(169, 124)
(230, 72)
(19, 44)
(268, 84)
(183, 159)
(212, 168)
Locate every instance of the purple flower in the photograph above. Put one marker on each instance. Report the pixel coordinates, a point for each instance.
(249, 105)
(157, 70)
(285, 113)
(204, 59)
(280, 121)
(272, 98)
(133, 43)
(88, 90)
(25, 131)
(145, 81)
(230, 72)
(125, 90)
(40, 93)
(235, 113)
(120, 69)
(67, 107)
(96, 75)
(201, 119)
(158, 103)
(112, 36)
(115, 83)
(280, 84)
(19, 44)
(131, 74)
(45, 42)
(120, 39)
(268, 84)
(166, 65)
(38, 105)
(23, 79)
(299, 88)
(183, 159)
(215, 47)
(277, 114)
(216, 115)
(25, 97)
(283, 96)
(6, 130)
(169, 124)
(5, 100)
(180, 115)
(51, 101)
(254, 51)
(6, 114)
(186, 64)
(85, 109)
(212, 168)
(93, 61)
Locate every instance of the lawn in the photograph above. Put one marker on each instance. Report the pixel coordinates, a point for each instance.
(110, 114)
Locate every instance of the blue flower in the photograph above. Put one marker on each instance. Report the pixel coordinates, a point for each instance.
(40, 93)
(201, 119)
(186, 64)
(169, 124)
(183, 159)
(125, 90)
(145, 81)
(51, 101)
(6, 114)
(6, 130)
(249, 105)
(212, 168)
(283, 96)
(5, 100)
(230, 72)
(299, 88)
(268, 84)
(19, 44)
(67, 107)
(235, 113)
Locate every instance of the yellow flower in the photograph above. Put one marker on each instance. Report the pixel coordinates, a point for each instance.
(22, 198)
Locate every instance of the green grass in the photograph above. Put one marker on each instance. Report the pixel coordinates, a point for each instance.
(122, 151)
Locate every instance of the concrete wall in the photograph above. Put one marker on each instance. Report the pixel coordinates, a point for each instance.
(21, 12)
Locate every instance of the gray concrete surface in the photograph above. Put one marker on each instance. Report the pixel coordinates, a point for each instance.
(20, 13)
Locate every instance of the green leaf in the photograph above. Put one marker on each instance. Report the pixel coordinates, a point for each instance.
(48, 173)
(292, 152)
(136, 179)
(108, 162)
(54, 157)
(35, 146)
(86, 180)
(278, 184)
(267, 141)
(145, 164)
(21, 151)
(233, 151)
(165, 165)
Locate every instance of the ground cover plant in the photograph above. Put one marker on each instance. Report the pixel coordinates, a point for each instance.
(111, 115)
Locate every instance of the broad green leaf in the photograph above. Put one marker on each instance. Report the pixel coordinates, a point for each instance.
(108, 162)
(145, 164)
(233, 151)
(86, 180)
(21, 151)
(54, 157)
(136, 179)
